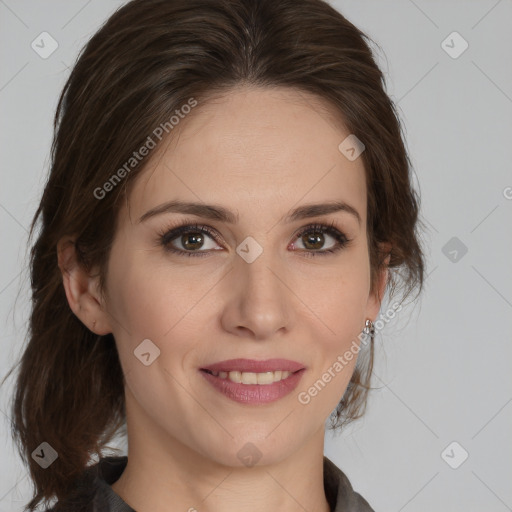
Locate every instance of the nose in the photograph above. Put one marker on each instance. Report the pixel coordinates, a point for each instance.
(259, 303)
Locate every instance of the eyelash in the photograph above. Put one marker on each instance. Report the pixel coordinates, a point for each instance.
(172, 232)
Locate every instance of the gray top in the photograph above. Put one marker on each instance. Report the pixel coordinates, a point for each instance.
(93, 492)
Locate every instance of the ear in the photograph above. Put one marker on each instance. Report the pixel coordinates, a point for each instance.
(375, 299)
(82, 289)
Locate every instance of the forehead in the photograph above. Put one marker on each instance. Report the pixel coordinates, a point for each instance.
(257, 151)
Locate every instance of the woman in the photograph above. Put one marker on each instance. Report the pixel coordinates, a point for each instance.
(228, 202)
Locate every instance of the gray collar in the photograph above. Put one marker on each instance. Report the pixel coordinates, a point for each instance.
(95, 489)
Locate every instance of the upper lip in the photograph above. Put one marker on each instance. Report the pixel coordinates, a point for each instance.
(255, 366)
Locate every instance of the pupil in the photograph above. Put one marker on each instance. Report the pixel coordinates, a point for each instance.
(316, 240)
(195, 237)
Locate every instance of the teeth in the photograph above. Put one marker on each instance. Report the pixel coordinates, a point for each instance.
(253, 378)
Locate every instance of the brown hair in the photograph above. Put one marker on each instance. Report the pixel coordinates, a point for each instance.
(145, 62)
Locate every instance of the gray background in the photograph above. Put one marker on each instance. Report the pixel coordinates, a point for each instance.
(442, 367)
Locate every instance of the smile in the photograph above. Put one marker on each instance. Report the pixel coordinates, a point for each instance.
(253, 388)
(264, 378)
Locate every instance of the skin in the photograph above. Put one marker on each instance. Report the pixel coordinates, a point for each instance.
(258, 152)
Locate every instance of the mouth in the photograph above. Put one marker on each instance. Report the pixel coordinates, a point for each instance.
(261, 378)
(253, 388)
(254, 366)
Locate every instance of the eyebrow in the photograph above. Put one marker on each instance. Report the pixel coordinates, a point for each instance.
(217, 212)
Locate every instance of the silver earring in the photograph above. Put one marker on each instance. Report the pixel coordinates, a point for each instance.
(369, 328)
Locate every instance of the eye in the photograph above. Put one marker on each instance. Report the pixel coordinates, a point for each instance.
(312, 237)
(190, 239)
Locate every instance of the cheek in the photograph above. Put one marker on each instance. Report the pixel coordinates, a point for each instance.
(144, 305)
(164, 305)
(338, 298)
(148, 297)
(338, 294)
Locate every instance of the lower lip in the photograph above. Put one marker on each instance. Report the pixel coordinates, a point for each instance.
(254, 393)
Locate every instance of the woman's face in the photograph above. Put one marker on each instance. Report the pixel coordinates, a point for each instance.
(257, 291)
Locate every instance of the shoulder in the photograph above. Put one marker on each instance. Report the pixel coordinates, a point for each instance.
(339, 491)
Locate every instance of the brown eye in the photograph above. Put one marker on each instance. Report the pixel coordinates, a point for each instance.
(189, 240)
(313, 239)
(192, 241)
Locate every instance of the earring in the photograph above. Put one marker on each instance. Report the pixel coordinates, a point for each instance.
(369, 328)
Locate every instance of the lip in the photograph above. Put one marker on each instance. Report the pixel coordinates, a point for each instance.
(253, 394)
(254, 366)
